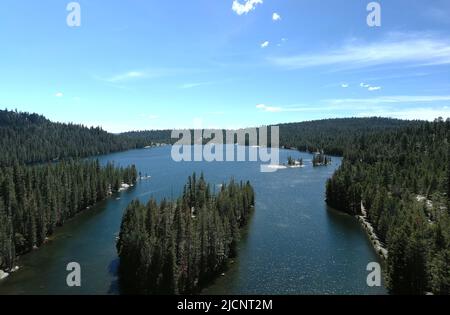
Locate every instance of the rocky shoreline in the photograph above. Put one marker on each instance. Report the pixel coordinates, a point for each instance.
(377, 244)
(4, 274)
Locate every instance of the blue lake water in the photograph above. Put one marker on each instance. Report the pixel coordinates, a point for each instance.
(294, 244)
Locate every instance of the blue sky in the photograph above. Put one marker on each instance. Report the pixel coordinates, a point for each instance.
(144, 64)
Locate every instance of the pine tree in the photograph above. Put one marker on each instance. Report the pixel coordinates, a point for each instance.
(170, 249)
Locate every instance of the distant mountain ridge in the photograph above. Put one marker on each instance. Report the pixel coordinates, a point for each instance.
(335, 136)
(32, 138)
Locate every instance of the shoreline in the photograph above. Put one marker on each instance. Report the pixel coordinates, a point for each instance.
(4, 274)
(373, 237)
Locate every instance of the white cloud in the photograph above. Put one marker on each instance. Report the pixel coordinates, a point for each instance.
(369, 87)
(59, 94)
(249, 5)
(143, 74)
(265, 44)
(417, 49)
(425, 108)
(421, 113)
(269, 108)
(126, 76)
(345, 85)
(146, 117)
(292, 108)
(359, 103)
(392, 99)
(283, 40)
(276, 16)
(193, 85)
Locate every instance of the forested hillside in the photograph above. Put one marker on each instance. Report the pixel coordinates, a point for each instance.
(150, 136)
(31, 138)
(335, 136)
(34, 200)
(402, 178)
(178, 246)
(41, 186)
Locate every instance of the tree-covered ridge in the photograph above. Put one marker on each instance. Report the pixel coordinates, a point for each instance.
(402, 179)
(335, 136)
(175, 247)
(34, 200)
(150, 136)
(31, 138)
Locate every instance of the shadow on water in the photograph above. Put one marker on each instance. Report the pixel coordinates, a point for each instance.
(113, 270)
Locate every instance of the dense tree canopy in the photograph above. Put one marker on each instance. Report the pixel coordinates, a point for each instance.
(178, 246)
(401, 177)
(34, 200)
(42, 182)
(335, 136)
(31, 138)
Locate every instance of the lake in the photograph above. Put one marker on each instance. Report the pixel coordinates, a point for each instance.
(294, 244)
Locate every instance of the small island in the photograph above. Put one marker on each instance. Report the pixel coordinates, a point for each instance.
(320, 159)
(293, 163)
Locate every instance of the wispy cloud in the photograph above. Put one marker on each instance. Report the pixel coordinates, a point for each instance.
(391, 99)
(417, 49)
(283, 40)
(126, 76)
(422, 107)
(142, 74)
(146, 117)
(59, 94)
(422, 113)
(369, 87)
(271, 109)
(194, 85)
(265, 44)
(345, 85)
(290, 108)
(249, 5)
(276, 16)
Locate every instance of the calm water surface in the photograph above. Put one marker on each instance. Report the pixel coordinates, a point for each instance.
(294, 244)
